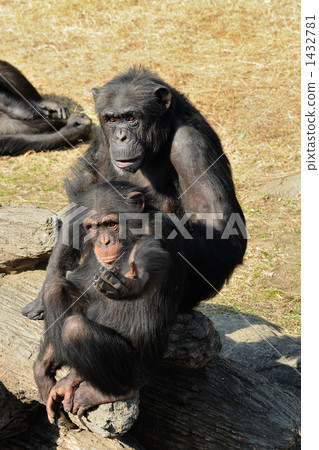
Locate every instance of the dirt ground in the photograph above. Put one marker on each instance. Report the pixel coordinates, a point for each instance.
(238, 61)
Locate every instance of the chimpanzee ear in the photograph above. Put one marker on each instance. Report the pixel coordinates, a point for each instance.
(164, 97)
(138, 199)
(95, 92)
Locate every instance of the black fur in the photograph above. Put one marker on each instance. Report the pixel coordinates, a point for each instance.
(172, 149)
(113, 342)
(27, 121)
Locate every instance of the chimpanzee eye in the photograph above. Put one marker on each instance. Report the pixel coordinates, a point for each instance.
(91, 226)
(111, 224)
(110, 119)
(130, 118)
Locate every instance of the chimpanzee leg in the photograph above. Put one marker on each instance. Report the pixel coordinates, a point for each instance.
(78, 127)
(13, 81)
(61, 298)
(98, 354)
(44, 371)
(110, 366)
(102, 357)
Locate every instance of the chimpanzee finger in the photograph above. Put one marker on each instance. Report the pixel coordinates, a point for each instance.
(134, 270)
(64, 421)
(63, 112)
(68, 399)
(53, 407)
(45, 112)
(107, 270)
(80, 411)
(103, 286)
(114, 277)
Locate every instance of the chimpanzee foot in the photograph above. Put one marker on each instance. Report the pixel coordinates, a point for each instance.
(61, 397)
(86, 396)
(34, 310)
(63, 420)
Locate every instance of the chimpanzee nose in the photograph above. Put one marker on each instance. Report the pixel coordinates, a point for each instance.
(104, 239)
(121, 136)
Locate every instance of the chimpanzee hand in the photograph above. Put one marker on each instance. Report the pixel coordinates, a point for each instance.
(115, 285)
(77, 120)
(49, 107)
(78, 126)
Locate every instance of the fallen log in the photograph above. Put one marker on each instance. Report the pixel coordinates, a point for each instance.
(260, 347)
(195, 399)
(27, 236)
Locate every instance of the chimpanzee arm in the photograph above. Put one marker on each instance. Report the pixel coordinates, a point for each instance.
(14, 85)
(12, 80)
(149, 264)
(77, 127)
(17, 108)
(64, 257)
(207, 190)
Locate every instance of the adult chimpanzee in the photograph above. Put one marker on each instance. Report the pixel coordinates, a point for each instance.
(28, 122)
(113, 330)
(152, 136)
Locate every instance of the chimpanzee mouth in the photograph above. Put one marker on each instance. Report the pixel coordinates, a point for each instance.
(108, 260)
(123, 163)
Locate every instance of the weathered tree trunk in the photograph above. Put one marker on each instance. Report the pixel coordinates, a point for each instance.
(246, 341)
(195, 399)
(27, 236)
(221, 406)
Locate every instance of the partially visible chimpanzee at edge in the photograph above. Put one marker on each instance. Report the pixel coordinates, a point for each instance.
(117, 327)
(28, 122)
(152, 136)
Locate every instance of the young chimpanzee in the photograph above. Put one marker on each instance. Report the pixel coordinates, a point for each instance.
(109, 320)
(29, 122)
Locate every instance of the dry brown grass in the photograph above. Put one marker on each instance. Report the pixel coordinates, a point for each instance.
(232, 58)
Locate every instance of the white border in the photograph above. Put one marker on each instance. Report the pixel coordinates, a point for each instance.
(309, 239)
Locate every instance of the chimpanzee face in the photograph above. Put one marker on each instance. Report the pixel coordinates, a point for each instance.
(104, 233)
(103, 226)
(125, 129)
(130, 115)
